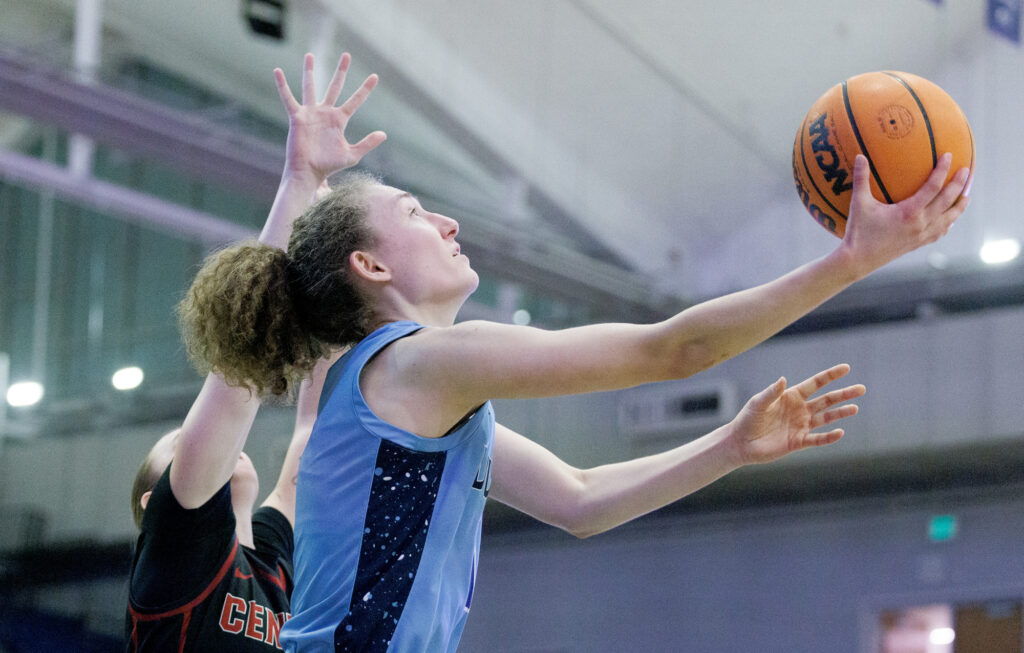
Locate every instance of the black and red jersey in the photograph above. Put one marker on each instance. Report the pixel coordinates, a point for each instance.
(193, 587)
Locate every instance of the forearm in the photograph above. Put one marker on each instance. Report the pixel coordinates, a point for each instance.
(713, 331)
(529, 478)
(282, 497)
(613, 494)
(877, 233)
(294, 195)
(211, 439)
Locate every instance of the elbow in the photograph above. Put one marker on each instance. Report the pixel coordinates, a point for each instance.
(583, 533)
(577, 527)
(580, 518)
(572, 512)
(686, 359)
(670, 355)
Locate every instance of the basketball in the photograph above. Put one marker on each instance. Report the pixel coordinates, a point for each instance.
(901, 122)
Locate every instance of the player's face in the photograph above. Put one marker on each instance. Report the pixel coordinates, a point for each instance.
(419, 249)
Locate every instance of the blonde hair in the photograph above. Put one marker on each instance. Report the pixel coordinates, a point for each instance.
(146, 478)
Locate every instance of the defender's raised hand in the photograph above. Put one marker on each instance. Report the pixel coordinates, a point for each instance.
(316, 129)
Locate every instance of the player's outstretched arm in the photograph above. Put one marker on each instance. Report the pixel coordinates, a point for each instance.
(773, 423)
(477, 361)
(217, 425)
(877, 233)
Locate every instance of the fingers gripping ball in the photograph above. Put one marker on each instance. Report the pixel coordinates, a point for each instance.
(901, 122)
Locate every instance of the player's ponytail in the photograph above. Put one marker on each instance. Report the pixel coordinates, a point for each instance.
(260, 317)
(238, 320)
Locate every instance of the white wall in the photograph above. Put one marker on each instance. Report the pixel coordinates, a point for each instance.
(809, 579)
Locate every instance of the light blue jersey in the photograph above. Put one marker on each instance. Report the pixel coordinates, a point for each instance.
(387, 523)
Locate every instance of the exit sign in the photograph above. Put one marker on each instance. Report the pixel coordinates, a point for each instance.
(942, 528)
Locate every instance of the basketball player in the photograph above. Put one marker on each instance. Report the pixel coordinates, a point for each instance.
(406, 448)
(209, 573)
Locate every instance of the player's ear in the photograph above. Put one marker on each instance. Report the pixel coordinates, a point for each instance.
(368, 266)
(144, 499)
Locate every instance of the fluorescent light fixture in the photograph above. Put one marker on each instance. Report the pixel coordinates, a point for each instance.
(942, 636)
(24, 393)
(127, 378)
(994, 252)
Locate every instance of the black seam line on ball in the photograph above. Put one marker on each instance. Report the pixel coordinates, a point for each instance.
(920, 106)
(860, 141)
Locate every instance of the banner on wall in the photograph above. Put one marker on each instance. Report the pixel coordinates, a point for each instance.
(1004, 18)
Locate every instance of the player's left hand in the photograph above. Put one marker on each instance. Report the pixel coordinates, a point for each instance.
(778, 421)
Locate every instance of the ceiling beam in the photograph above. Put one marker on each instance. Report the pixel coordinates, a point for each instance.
(132, 123)
(214, 153)
(737, 130)
(104, 197)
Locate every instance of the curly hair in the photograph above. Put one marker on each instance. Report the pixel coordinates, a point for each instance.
(326, 299)
(260, 317)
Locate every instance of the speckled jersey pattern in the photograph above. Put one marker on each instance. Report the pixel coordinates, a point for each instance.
(387, 523)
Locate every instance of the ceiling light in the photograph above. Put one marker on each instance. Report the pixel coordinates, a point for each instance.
(994, 252)
(521, 317)
(24, 393)
(942, 636)
(127, 378)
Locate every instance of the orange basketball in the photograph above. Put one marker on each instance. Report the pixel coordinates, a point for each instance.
(901, 122)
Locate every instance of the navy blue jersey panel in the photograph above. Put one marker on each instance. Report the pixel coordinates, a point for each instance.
(402, 498)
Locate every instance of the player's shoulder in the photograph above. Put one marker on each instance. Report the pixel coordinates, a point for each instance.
(461, 333)
(435, 347)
